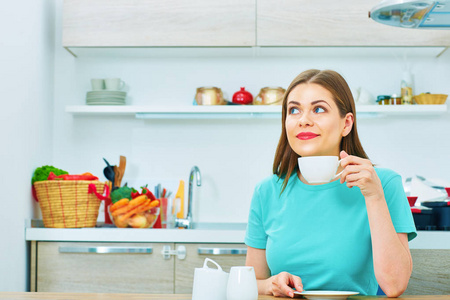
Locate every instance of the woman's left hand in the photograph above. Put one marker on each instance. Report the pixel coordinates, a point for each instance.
(360, 172)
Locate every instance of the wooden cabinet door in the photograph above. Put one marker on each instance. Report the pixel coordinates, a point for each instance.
(334, 23)
(73, 267)
(143, 23)
(184, 269)
(431, 272)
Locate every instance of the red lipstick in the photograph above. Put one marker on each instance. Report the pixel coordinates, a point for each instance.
(306, 135)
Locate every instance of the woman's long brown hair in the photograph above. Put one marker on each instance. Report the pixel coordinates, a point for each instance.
(286, 160)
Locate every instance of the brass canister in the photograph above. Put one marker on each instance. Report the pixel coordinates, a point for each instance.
(209, 96)
(270, 96)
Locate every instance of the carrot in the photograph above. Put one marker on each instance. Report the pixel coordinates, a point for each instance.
(133, 211)
(131, 206)
(144, 207)
(137, 201)
(121, 203)
(120, 211)
(154, 203)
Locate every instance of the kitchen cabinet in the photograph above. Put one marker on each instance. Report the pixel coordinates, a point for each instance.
(226, 255)
(134, 268)
(124, 267)
(51, 270)
(77, 267)
(235, 23)
(149, 23)
(334, 23)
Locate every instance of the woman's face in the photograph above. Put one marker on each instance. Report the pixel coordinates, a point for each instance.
(313, 124)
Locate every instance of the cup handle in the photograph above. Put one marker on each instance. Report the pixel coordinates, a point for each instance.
(338, 174)
(122, 84)
(210, 260)
(255, 101)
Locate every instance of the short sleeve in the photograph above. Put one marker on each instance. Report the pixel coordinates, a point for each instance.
(255, 235)
(399, 209)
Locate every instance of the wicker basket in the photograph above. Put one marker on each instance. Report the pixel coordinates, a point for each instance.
(430, 98)
(67, 203)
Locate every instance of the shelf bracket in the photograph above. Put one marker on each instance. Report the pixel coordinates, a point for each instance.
(442, 52)
(68, 50)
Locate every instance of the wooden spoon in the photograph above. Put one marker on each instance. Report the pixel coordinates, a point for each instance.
(116, 176)
(122, 165)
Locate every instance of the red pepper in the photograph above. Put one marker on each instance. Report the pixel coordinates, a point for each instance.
(149, 194)
(51, 176)
(85, 176)
(135, 194)
(80, 177)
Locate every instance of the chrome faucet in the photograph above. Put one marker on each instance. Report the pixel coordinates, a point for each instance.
(187, 223)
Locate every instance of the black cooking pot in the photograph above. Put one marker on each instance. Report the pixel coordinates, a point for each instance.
(423, 219)
(440, 213)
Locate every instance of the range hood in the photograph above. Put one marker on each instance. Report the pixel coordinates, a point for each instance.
(425, 14)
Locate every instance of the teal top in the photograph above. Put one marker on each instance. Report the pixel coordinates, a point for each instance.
(321, 232)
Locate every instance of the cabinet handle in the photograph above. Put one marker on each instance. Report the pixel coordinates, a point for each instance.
(180, 252)
(101, 250)
(222, 251)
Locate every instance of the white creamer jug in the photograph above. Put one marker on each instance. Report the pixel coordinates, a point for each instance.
(210, 283)
(242, 284)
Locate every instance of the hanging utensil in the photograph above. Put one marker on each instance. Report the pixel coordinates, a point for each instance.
(116, 176)
(122, 166)
(107, 163)
(109, 174)
(108, 171)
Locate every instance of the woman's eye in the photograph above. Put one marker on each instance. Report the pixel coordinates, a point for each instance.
(319, 109)
(293, 111)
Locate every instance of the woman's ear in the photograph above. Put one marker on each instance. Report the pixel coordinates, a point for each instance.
(348, 125)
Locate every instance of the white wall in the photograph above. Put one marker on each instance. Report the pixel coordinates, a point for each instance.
(26, 74)
(233, 155)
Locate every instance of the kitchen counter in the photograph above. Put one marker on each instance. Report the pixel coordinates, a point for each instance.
(206, 233)
(135, 235)
(102, 296)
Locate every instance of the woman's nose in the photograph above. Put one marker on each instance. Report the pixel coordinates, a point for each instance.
(304, 120)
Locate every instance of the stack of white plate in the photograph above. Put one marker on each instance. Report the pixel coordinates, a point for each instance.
(106, 98)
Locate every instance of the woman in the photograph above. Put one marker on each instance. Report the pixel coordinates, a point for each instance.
(349, 234)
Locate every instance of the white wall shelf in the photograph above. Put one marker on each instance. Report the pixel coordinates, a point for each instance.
(255, 51)
(235, 111)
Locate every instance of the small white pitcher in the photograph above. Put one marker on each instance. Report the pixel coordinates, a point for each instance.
(210, 283)
(242, 284)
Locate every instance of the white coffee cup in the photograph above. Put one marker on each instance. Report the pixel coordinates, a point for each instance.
(210, 283)
(114, 84)
(97, 84)
(319, 169)
(242, 284)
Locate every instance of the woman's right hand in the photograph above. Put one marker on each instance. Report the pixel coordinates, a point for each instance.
(281, 285)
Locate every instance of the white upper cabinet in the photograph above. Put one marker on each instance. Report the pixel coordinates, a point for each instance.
(148, 23)
(334, 23)
(239, 23)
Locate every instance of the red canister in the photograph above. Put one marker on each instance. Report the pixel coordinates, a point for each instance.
(242, 97)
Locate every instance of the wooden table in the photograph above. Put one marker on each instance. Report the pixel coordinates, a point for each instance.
(100, 296)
